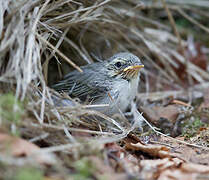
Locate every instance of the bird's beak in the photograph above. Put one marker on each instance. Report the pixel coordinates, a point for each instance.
(135, 68)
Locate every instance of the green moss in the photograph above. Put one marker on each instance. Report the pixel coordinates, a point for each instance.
(10, 108)
(29, 173)
(84, 169)
(190, 128)
(183, 23)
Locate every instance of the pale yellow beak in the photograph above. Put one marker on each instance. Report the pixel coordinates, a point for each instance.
(135, 67)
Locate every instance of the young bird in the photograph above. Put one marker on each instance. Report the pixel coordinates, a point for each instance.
(114, 82)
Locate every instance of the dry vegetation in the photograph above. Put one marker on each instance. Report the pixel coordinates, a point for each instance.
(40, 41)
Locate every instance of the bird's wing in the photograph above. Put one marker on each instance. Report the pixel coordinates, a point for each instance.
(82, 85)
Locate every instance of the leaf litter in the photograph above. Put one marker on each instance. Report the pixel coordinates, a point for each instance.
(40, 41)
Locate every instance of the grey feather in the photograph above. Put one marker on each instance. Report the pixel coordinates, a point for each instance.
(81, 85)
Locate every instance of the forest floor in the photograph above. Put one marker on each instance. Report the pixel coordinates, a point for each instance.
(168, 136)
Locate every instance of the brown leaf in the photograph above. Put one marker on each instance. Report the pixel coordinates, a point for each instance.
(152, 169)
(169, 112)
(194, 155)
(172, 169)
(160, 164)
(103, 171)
(17, 147)
(153, 150)
(176, 174)
(116, 149)
(185, 171)
(197, 168)
(124, 161)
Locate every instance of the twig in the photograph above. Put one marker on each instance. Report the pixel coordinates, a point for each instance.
(170, 17)
(70, 129)
(59, 52)
(180, 103)
(38, 138)
(70, 137)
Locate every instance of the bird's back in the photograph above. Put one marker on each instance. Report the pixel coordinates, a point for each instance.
(92, 83)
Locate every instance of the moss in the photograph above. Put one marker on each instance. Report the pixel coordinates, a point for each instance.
(29, 173)
(190, 128)
(11, 111)
(84, 169)
(10, 108)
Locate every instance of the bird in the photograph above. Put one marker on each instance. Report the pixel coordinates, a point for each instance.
(113, 81)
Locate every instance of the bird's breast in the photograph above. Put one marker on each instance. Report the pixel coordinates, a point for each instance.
(126, 92)
(122, 93)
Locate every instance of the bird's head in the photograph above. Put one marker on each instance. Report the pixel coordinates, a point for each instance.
(124, 65)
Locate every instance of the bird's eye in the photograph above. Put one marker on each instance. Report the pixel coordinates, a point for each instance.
(118, 64)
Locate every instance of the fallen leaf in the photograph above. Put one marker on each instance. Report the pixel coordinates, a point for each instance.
(17, 147)
(176, 174)
(118, 151)
(152, 169)
(197, 168)
(172, 169)
(194, 155)
(153, 150)
(154, 113)
(124, 161)
(160, 164)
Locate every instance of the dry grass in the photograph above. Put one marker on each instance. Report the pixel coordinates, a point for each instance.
(41, 40)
